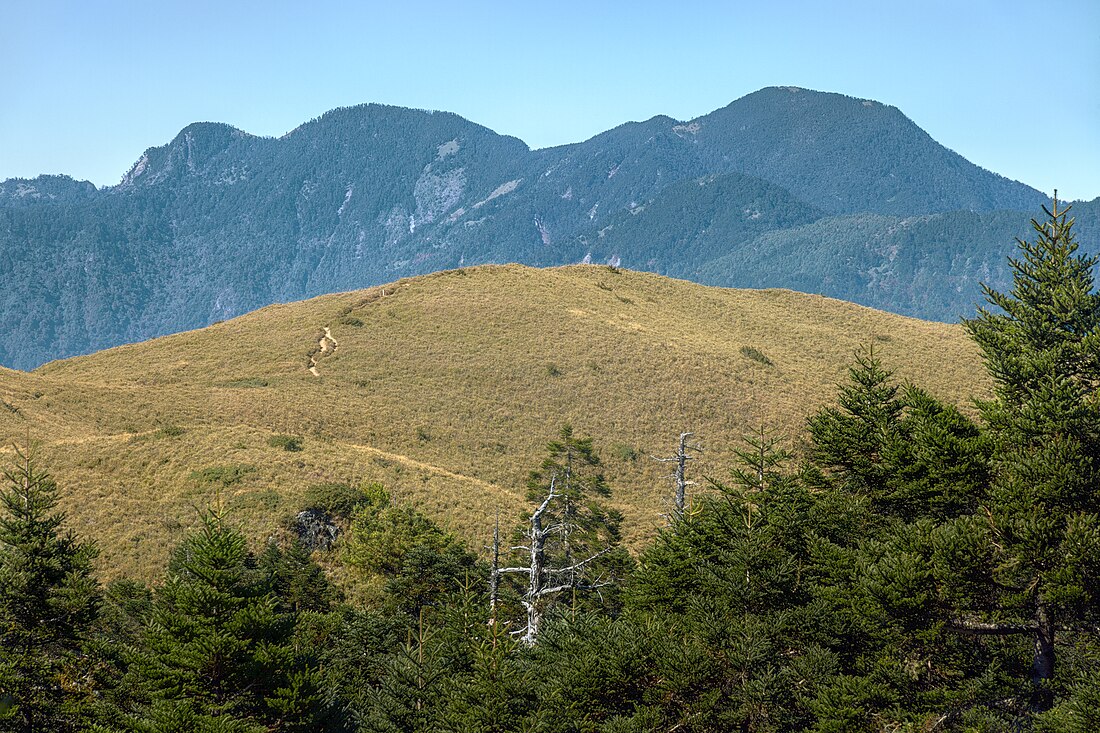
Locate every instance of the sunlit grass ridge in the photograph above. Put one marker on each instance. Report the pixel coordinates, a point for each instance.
(445, 388)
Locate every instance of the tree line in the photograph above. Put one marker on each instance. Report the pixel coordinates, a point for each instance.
(915, 568)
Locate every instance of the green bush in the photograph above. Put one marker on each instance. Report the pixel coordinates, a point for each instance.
(624, 452)
(225, 475)
(337, 499)
(751, 352)
(290, 443)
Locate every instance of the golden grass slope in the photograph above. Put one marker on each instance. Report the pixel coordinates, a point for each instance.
(446, 388)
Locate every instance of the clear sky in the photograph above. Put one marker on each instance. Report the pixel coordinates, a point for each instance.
(87, 85)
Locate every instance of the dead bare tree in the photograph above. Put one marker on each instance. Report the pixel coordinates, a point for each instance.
(544, 580)
(494, 575)
(679, 476)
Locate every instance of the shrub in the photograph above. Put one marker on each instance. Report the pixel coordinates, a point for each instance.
(624, 452)
(751, 352)
(338, 500)
(290, 443)
(225, 475)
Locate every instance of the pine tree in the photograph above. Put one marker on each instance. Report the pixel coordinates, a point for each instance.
(409, 694)
(854, 440)
(217, 651)
(1043, 351)
(759, 460)
(491, 688)
(730, 584)
(894, 462)
(48, 599)
(905, 453)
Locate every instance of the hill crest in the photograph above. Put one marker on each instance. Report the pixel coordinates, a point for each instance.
(444, 387)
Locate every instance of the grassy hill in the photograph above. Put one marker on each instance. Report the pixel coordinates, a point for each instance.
(445, 387)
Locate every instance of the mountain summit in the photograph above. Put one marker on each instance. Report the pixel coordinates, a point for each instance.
(849, 155)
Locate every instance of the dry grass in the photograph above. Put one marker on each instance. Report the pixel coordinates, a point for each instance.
(445, 388)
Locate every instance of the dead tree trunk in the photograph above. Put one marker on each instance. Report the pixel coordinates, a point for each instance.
(543, 581)
(494, 575)
(535, 571)
(679, 476)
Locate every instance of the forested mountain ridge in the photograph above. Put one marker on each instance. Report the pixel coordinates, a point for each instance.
(219, 222)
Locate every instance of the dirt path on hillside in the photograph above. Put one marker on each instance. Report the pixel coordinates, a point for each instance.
(326, 345)
(430, 468)
(404, 460)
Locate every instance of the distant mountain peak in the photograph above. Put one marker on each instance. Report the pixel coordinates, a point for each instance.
(44, 187)
(847, 154)
(217, 221)
(188, 153)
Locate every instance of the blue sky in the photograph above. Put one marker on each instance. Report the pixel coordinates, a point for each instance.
(87, 86)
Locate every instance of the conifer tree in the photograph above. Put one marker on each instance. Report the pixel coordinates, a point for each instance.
(1041, 345)
(409, 694)
(854, 439)
(48, 599)
(904, 452)
(897, 463)
(731, 584)
(217, 653)
(491, 687)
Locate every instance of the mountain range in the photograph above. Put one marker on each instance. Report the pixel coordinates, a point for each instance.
(785, 187)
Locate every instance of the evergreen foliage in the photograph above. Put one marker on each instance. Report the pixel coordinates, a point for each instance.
(586, 525)
(407, 561)
(569, 543)
(1042, 348)
(48, 600)
(217, 650)
(902, 450)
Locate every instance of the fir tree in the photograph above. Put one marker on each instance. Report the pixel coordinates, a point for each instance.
(1043, 351)
(904, 452)
(408, 696)
(48, 599)
(854, 440)
(217, 652)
